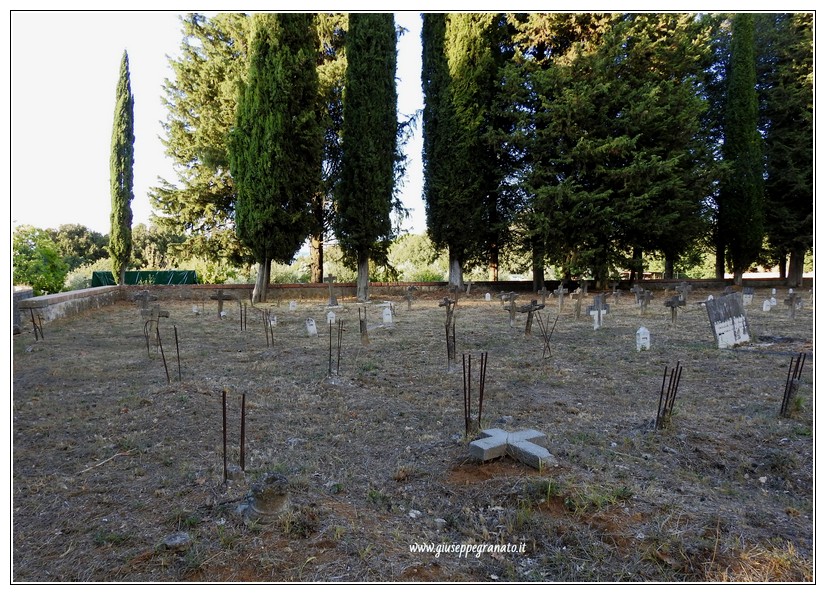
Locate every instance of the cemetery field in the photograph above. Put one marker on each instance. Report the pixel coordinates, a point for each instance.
(118, 449)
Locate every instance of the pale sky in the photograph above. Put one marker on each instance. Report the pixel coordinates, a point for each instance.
(64, 70)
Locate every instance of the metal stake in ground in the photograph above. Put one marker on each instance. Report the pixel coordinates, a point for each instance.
(224, 402)
(38, 327)
(467, 371)
(243, 429)
(792, 383)
(163, 357)
(338, 354)
(450, 328)
(667, 397)
(177, 351)
(546, 336)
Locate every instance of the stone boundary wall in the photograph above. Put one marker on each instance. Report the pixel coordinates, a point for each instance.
(19, 294)
(59, 305)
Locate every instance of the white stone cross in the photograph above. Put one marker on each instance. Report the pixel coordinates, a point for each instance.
(524, 446)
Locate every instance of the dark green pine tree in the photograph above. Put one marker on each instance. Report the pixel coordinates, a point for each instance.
(446, 208)
(740, 201)
(365, 194)
(787, 53)
(275, 147)
(121, 163)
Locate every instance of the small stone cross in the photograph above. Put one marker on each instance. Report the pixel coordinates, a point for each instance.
(615, 292)
(543, 293)
(524, 446)
(143, 298)
(598, 310)
(511, 307)
(560, 293)
(577, 295)
(793, 302)
(408, 295)
(330, 279)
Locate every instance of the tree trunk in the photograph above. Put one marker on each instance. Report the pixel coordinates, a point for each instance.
(363, 277)
(738, 276)
(795, 276)
(317, 259)
(455, 274)
(493, 266)
(668, 272)
(720, 261)
(781, 265)
(262, 281)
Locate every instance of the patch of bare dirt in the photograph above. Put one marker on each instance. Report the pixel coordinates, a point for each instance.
(114, 452)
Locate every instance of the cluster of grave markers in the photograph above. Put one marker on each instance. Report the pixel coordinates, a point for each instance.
(726, 315)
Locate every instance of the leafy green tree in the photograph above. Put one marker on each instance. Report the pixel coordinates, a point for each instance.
(36, 261)
(78, 245)
(609, 137)
(121, 163)
(365, 195)
(201, 101)
(331, 67)
(275, 147)
(155, 247)
(740, 201)
(786, 86)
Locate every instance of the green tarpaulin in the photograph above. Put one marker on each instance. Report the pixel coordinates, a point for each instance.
(101, 278)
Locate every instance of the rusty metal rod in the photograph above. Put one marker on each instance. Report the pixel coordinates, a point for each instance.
(177, 351)
(243, 429)
(224, 402)
(163, 357)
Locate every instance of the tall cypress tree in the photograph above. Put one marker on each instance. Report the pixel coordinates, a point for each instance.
(275, 147)
(740, 203)
(365, 194)
(788, 117)
(121, 163)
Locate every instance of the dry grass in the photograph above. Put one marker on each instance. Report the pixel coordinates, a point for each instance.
(110, 459)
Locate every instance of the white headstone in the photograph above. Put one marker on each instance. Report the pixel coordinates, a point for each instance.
(774, 291)
(195, 310)
(293, 306)
(331, 317)
(773, 301)
(387, 316)
(487, 297)
(312, 331)
(223, 314)
(711, 297)
(273, 319)
(767, 305)
(747, 299)
(643, 339)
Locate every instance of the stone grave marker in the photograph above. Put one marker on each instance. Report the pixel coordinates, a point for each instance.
(674, 302)
(387, 316)
(683, 289)
(543, 293)
(525, 446)
(767, 305)
(329, 280)
(560, 293)
(511, 307)
(577, 295)
(331, 317)
(487, 297)
(312, 331)
(598, 310)
(143, 298)
(584, 286)
(794, 303)
(643, 339)
(408, 295)
(728, 321)
(748, 295)
(293, 306)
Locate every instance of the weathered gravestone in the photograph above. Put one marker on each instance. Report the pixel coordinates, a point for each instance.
(577, 295)
(794, 303)
(267, 500)
(331, 317)
(560, 293)
(511, 307)
(408, 295)
(643, 339)
(748, 296)
(598, 310)
(543, 293)
(524, 446)
(728, 321)
(312, 330)
(387, 316)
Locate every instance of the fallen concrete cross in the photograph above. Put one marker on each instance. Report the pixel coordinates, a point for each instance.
(524, 446)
